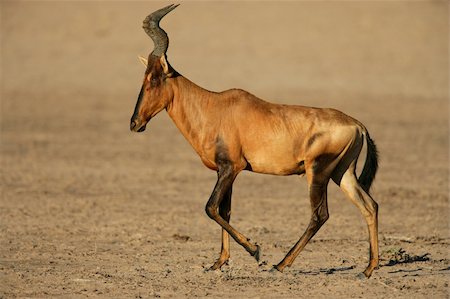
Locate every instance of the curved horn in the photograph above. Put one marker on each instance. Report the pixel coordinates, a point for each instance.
(158, 35)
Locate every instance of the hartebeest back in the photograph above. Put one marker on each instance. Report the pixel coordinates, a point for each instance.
(233, 131)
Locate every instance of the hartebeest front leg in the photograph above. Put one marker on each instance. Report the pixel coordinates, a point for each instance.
(226, 176)
(225, 213)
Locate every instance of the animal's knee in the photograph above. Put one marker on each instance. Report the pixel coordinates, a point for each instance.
(211, 211)
(320, 218)
(324, 217)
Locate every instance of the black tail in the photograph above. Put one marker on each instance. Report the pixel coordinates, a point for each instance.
(370, 166)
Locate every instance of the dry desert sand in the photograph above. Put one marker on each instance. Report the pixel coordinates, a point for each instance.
(89, 209)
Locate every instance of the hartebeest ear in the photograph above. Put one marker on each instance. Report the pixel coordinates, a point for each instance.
(143, 60)
(165, 65)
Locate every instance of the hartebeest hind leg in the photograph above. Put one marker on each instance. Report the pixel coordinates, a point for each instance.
(225, 213)
(319, 206)
(369, 209)
(226, 176)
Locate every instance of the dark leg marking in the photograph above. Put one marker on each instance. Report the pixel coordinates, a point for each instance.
(226, 175)
(321, 163)
(225, 213)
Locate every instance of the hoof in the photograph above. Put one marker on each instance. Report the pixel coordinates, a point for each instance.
(368, 272)
(217, 265)
(257, 253)
(212, 268)
(361, 276)
(275, 270)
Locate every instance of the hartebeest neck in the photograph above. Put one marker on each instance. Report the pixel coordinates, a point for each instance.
(188, 109)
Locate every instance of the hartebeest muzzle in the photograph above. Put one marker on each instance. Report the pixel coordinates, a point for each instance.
(135, 126)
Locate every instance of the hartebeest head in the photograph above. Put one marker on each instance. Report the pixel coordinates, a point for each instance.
(155, 92)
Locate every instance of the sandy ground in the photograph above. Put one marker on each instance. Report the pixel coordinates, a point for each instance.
(89, 209)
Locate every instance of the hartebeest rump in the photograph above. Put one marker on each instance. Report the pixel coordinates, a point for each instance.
(234, 130)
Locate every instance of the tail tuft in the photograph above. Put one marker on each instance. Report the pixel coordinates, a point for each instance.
(370, 166)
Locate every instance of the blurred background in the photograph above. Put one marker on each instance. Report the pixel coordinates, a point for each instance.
(70, 74)
(368, 47)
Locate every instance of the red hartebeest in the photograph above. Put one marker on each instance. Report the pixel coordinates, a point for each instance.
(234, 130)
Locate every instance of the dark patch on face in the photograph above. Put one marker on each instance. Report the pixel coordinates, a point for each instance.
(322, 162)
(313, 139)
(138, 104)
